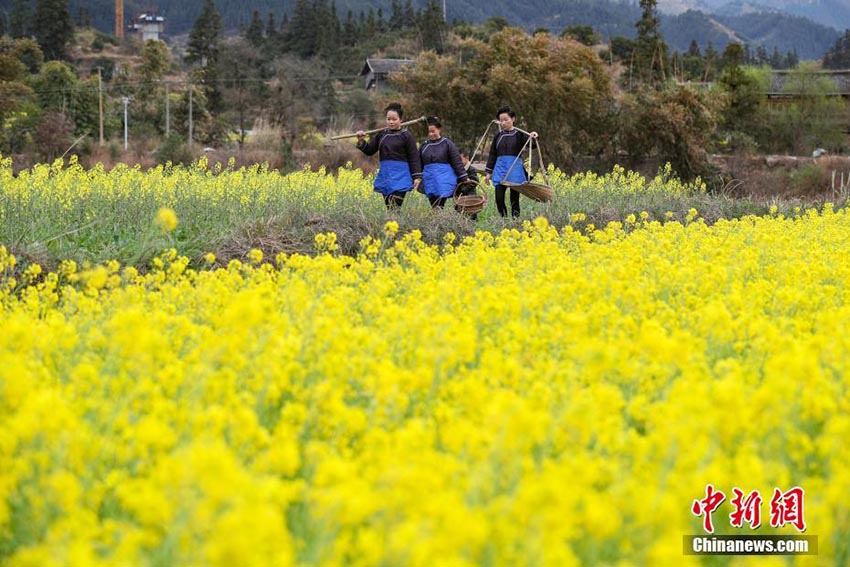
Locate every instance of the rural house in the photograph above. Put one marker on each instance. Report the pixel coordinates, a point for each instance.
(150, 26)
(376, 71)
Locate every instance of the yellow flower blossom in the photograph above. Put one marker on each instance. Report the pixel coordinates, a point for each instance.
(166, 219)
(255, 256)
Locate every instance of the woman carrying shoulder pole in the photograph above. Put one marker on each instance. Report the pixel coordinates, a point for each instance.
(400, 169)
(442, 168)
(503, 163)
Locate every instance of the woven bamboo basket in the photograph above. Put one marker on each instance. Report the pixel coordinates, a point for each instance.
(535, 191)
(540, 192)
(469, 204)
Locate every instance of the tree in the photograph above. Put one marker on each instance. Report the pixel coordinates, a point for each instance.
(150, 94)
(622, 48)
(495, 25)
(106, 66)
(673, 123)
(203, 49)
(432, 28)
(52, 136)
(58, 90)
(838, 56)
(156, 59)
(688, 66)
(741, 112)
(203, 125)
(792, 59)
(381, 23)
(14, 96)
(329, 31)
(710, 63)
(371, 24)
(302, 38)
(581, 33)
(650, 64)
(293, 98)
(349, 30)
(83, 112)
(775, 59)
(396, 15)
(409, 15)
(53, 27)
(693, 49)
(54, 85)
(205, 37)
(563, 91)
(20, 20)
(271, 29)
(815, 117)
(11, 69)
(244, 93)
(254, 31)
(19, 114)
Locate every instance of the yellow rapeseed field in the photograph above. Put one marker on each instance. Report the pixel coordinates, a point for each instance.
(62, 211)
(537, 397)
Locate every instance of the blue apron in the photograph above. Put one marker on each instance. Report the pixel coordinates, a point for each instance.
(439, 179)
(503, 164)
(393, 176)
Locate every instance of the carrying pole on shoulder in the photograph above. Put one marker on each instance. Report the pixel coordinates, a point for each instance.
(376, 130)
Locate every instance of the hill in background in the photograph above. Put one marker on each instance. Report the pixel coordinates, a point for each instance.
(769, 23)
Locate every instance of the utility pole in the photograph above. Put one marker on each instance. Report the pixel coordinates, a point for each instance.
(167, 112)
(190, 114)
(445, 18)
(100, 103)
(126, 101)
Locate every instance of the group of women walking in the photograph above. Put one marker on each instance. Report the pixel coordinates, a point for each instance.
(437, 167)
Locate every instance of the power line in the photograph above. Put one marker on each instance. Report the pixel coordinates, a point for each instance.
(117, 87)
(113, 88)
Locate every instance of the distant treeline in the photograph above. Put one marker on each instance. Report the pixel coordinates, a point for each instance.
(772, 30)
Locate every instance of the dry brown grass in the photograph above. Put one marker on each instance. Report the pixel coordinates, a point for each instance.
(336, 154)
(784, 177)
(295, 232)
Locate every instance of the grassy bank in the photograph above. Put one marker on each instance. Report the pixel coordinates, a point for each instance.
(62, 211)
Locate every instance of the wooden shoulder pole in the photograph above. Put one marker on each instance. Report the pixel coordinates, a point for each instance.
(375, 131)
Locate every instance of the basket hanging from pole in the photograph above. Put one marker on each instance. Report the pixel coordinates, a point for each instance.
(469, 204)
(540, 192)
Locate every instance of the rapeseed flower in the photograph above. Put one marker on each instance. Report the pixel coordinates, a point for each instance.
(166, 219)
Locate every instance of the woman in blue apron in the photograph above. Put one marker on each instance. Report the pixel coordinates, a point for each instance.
(503, 163)
(442, 168)
(400, 169)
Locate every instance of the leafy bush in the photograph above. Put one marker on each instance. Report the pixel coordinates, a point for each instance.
(173, 149)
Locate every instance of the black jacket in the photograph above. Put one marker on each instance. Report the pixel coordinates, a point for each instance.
(442, 151)
(505, 143)
(396, 145)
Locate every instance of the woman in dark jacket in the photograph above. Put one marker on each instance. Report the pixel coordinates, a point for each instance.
(442, 168)
(400, 169)
(503, 164)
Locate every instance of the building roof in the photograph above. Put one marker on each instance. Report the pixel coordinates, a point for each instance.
(150, 18)
(839, 77)
(384, 65)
